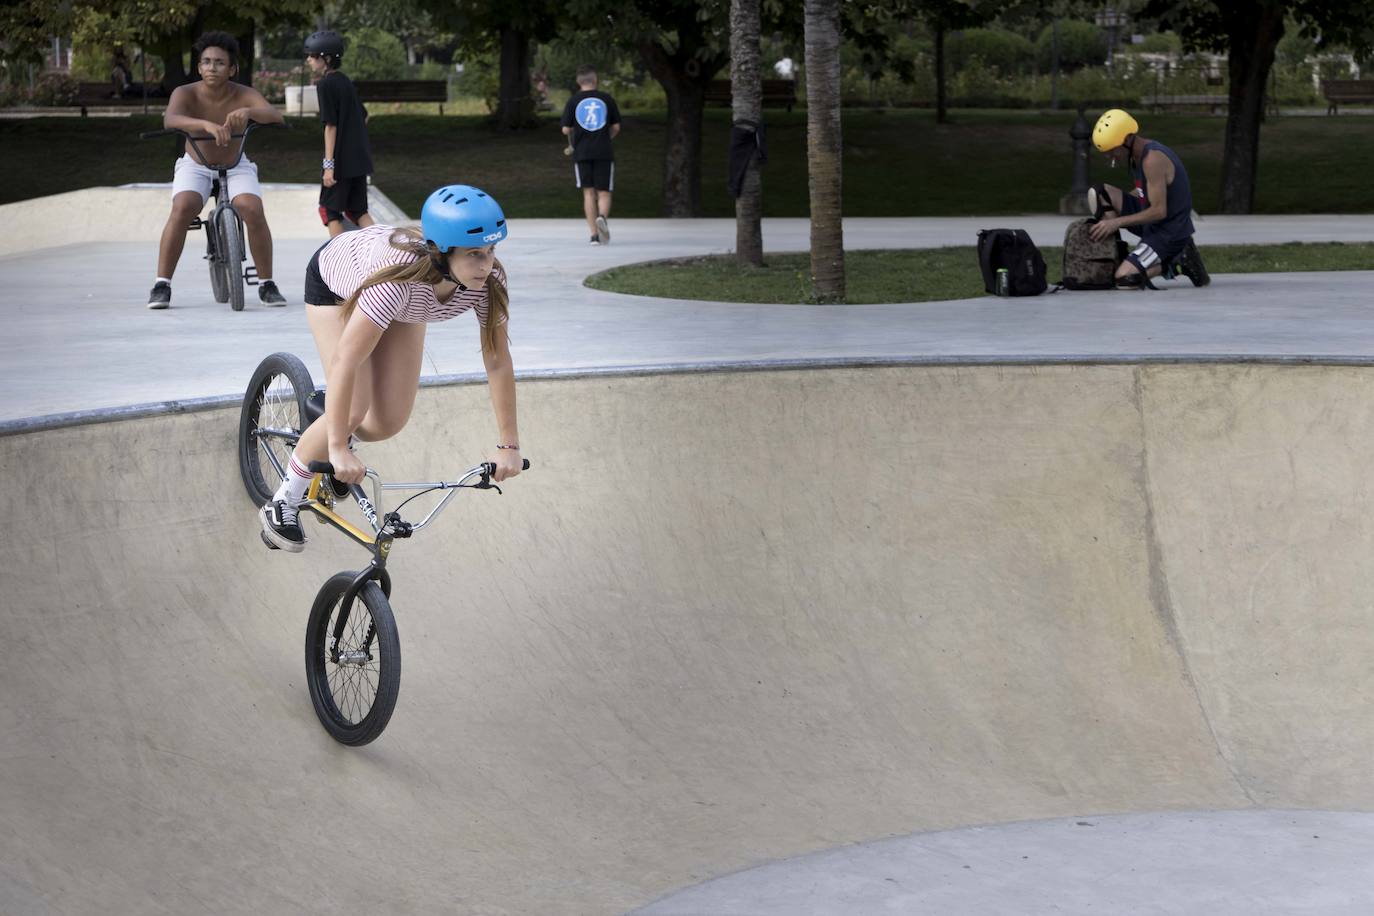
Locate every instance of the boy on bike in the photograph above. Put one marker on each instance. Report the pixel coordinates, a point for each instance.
(218, 106)
(591, 120)
(347, 159)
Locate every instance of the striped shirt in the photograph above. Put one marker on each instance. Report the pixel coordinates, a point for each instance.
(351, 257)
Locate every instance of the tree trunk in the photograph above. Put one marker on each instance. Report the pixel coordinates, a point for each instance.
(746, 81)
(683, 78)
(824, 148)
(1252, 40)
(941, 116)
(515, 109)
(247, 53)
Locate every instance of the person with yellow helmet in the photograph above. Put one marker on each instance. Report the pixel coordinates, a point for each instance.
(1158, 208)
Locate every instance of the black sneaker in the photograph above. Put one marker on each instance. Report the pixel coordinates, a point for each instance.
(603, 231)
(596, 240)
(161, 296)
(269, 293)
(1189, 263)
(281, 527)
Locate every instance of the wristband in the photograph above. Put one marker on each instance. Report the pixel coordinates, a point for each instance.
(511, 447)
(329, 163)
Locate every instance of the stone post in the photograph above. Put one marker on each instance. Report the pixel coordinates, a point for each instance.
(1075, 203)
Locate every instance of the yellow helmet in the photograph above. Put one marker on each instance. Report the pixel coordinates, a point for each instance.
(1112, 129)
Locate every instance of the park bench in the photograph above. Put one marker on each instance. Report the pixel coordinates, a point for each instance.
(403, 91)
(1337, 91)
(1175, 102)
(776, 93)
(101, 95)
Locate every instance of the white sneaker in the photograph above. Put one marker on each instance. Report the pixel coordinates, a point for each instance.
(603, 231)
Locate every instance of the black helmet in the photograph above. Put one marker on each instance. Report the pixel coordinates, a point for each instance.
(327, 43)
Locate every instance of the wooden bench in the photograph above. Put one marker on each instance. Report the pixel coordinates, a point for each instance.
(403, 91)
(776, 93)
(1160, 102)
(1337, 91)
(101, 95)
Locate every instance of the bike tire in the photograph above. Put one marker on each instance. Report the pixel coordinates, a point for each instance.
(354, 701)
(219, 274)
(275, 399)
(231, 254)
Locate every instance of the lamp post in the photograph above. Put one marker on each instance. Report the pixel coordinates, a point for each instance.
(1111, 19)
(1075, 203)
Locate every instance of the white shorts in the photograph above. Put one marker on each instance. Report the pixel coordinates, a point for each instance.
(191, 175)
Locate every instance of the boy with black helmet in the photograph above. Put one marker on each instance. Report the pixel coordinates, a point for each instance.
(347, 159)
(1158, 209)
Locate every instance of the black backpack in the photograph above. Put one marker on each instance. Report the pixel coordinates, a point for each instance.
(1012, 250)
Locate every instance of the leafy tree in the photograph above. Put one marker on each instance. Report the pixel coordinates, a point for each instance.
(374, 54)
(1248, 32)
(1081, 44)
(509, 29)
(1007, 52)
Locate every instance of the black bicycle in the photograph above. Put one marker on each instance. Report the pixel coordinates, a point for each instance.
(224, 235)
(352, 649)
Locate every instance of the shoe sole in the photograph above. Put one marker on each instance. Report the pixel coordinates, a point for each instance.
(603, 232)
(274, 540)
(158, 305)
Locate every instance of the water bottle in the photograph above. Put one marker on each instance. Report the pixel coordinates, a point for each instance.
(1003, 282)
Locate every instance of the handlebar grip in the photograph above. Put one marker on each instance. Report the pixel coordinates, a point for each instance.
(320, 467)
(490, 466)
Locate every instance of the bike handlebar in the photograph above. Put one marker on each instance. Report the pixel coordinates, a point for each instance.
(242, 138)
(487, 468)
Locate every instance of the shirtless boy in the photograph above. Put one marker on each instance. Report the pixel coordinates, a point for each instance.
(218, 106)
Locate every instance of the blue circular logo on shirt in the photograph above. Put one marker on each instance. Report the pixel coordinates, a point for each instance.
(591, 114)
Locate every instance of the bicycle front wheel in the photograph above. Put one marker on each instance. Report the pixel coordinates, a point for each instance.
(270, 421)
(231, 256)
(353, 667)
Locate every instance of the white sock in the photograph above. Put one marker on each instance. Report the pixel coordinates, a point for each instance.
(167, 280)
(296, 482)
(264, 279)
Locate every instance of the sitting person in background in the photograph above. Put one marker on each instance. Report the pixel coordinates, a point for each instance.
(1158, 208)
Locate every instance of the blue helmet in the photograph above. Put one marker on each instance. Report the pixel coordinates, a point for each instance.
(461, 216)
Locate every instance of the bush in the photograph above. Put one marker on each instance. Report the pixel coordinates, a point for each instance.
(55, 90)
(1160, 43)
(1081, 44)
(371, 54)
(1005, 52)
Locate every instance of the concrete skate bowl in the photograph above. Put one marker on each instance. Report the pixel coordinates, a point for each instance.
(728, 618)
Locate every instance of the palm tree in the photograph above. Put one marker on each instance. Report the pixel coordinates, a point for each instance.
(823, 148)
(746, 90)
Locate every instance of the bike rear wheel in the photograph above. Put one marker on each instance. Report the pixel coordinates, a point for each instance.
(354, 678)
(231, 256)
(270, 421)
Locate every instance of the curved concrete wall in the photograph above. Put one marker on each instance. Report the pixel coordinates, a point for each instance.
(727, 618)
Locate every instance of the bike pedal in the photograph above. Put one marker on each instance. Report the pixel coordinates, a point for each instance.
(250, 276)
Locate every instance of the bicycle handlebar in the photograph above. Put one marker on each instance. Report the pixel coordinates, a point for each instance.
(242, 138)
(486, 468)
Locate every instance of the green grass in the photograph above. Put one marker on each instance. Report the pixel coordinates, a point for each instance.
(898, 162)
(921, 275)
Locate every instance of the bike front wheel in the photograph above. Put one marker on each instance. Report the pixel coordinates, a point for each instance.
(231, 256)
(352, 665)
(271, 421)
(219, 271)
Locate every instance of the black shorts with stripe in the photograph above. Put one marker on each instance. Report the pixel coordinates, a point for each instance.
(1157, 246)
(595, 173)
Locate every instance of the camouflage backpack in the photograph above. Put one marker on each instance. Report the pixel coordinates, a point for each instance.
(1089, 263)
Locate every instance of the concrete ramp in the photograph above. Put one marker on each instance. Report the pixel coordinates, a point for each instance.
(728, 618)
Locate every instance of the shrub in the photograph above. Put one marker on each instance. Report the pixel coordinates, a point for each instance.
(54, 89)
(1081, 44)
(1005, 52)
(371, 54)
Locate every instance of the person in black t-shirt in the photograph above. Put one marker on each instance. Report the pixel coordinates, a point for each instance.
(347, 159)
(590, 120)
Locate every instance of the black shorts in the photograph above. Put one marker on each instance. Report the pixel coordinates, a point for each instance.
(348, 198)
(595, 173)
(316, 291)
(1157, 246)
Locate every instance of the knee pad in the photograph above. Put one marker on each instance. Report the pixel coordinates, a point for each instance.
(1099, 201)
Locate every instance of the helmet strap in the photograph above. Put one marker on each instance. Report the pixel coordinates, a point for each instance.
(440, 263)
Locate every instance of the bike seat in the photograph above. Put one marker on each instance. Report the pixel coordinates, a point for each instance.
(314, 407)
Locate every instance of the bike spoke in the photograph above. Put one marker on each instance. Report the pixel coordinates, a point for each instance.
(354, 687)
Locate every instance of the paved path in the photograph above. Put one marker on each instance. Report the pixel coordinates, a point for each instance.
(79, 337)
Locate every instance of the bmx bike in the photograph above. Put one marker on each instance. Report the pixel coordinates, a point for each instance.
(352, 649)
(224, 235)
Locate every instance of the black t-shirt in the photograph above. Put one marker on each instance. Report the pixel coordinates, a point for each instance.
(590, 113)
(339, 106)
